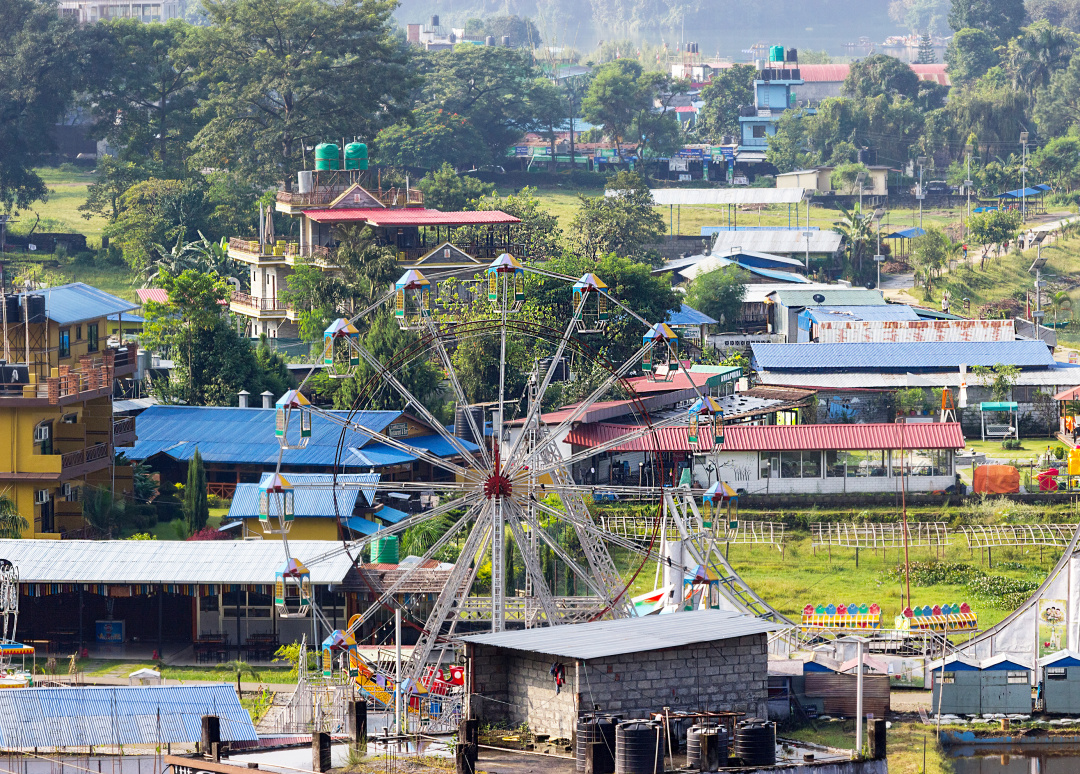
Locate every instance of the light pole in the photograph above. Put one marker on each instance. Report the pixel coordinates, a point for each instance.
(1023, 179)
(921, 194)
(879, 258)
(967, 189)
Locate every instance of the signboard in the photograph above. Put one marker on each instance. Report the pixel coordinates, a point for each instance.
(110, 632)
(398, 430)
(14, 374)
(1051, 625)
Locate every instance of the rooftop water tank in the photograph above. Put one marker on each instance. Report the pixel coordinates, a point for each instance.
(356, 156)
(506, 41)
(489, 40)
(776, 53)
(384, 550)
(326, 156)
(434, 21)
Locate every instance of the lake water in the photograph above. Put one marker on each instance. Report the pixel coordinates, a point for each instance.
(969, 760)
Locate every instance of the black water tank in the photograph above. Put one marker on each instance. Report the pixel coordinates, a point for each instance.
(461, 424)
(755, 742)
(597, 728)
(435, 21)
(489, 40)
(11, 308)
(792, 55)
(35, 308)
(796, 74)
(639, 748)
(693, 746)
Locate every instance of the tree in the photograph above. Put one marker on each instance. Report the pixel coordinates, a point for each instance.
(788, 148)
(1057, 105)
(143, 95)
(930, 254)
(522, 32)
(993, 228)
(105, 194)
(538, 233)
(40, 62)
(623, 222)
(970, 55)
(615, 98)
(926, 49)
(1033, 57)
(158, 212)
(730, 89)
(880, 74)
(854, 227)
(1001, 18)
(845, 177)
(444, 189)
(719, 294)
(999, 378)
(101, 511)
(917, 15)
(241, 668)
(12, 523)
(1059, 161)
(282, 73)
(195, 507)
(367, 269)
(429, 137)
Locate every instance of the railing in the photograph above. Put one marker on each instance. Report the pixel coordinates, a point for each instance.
(755, 142)
(258, 304)
(223, 490)
(124, 426)
(82, 456)
(255, 248)
(391, 197)
(327, 256)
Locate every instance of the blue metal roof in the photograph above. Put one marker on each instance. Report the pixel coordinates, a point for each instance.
(78, 301)
(688, 315)
(1020, 193)
(1006, 666)
(361, 525)
(392, 515)
(81, 717)
(907, 233)
(899, 357)
(312, 498)
(246, 436)
(128, 318)
(890, 312)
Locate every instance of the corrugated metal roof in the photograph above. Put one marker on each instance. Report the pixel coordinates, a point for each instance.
(1059, 377)
(781, 241)
(78, 301)
(838, 330)
(900, 356)
(158, 295)
(392, 515)
(167, 561)
(84, 717)
(246, 436)
(361, 525)
(713, 196)
(824, 73)
(411, 217)
(312, 498)
(128, 318)
(825, 314)
(688, 315)
(835, 296)
(714, 262)
(907, 233)
(598, 639)
(929, 435)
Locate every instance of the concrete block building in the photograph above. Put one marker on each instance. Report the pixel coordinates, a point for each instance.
(548, 677)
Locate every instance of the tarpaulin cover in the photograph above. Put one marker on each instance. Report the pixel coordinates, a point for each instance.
(997, 479)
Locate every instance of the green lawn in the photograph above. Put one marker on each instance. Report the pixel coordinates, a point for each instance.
(904, 743)
(67, 190)
(209, 673)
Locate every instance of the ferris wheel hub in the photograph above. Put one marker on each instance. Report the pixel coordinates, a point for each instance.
(498, 485)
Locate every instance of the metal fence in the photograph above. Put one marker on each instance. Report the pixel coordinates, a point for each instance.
(849, 535)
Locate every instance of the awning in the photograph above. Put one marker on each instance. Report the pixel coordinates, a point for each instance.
(381, 217)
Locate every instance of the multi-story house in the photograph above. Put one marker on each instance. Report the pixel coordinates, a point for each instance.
(337, 195)
(773, 94)
(57, 432)
(92, 11)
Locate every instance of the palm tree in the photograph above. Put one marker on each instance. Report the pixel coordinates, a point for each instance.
(202, 255)
(1038, 53)
(855, 229)
(240, 668)
(12, 523)
(101, 510)
(1062, 303)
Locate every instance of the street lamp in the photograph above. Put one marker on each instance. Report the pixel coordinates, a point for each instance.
(921, 193)
(1023, 183)
(879, 259)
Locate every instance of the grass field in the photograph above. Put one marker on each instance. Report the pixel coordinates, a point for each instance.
(67, 190)
(904, 743)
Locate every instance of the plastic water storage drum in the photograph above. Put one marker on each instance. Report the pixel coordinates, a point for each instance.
(693, 746)
(356, 156)
(597, 728)
(384, 550)
(326, 156)
(639, 748)
(755, 742)
(776, 53)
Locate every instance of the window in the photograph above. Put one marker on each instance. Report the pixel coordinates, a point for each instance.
(948, 678)
(798, 464)
(1056, 673)
(92, 337)
(78, 333)
(922, 462)
(759, 131)
(70, 419)
(208, 604)
(65, 342)
(1018, 678)
(855, 464)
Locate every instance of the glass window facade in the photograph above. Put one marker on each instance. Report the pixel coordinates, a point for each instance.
(855, 464)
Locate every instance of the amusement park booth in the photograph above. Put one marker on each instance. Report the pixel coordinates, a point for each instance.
(999, 685)
(1060, 676)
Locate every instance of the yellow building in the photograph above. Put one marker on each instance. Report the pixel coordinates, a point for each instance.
(57, 433)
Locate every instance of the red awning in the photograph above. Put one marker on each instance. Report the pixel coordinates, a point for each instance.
(930, 435)
(1073, 393)
(410, 217)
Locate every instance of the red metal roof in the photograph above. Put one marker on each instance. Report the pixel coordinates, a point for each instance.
(410, 217)
(817, 73)
(160, 295)
(930, 435)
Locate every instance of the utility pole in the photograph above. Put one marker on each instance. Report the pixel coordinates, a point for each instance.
(879, 258)
(967, 189)
(1023, 173)
(398, 727)
(921, 194)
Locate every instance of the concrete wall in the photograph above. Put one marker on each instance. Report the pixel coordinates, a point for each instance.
(517, 687)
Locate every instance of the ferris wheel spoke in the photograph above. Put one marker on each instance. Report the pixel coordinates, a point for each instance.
(452, 593)
(561, 552)
(407, 575)
(411, 400)
(459, 392)
(532, 566)
(534, 409)
(351, 546)
(582, 407)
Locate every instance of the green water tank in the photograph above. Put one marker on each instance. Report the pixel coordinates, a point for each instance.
(356, 156)
(384, 550)
(776, 53)
(326, 156)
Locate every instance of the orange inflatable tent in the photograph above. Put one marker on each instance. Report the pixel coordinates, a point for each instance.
(996, 479)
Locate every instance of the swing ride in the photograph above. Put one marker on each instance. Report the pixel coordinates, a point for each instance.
(511, 495)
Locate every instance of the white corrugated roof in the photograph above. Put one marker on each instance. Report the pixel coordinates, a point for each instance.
(1058, 378)
(719, 196)
(781, 241)
(167, 561)
(598, 639)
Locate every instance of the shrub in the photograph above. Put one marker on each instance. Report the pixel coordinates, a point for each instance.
(1011, 444)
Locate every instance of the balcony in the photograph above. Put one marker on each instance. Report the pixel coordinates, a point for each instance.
(253, 306)
(390, 197)
(253, 251)
(325, 257)
(78, 463)
(124, 431)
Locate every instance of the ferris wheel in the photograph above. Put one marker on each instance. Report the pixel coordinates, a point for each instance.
(512, 493)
